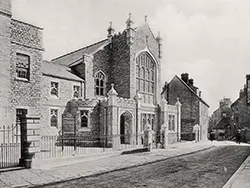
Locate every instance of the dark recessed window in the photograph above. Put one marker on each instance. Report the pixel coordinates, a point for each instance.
(84, 118)
(54, 118)
(23, 66)
(76, 91)
(54, 89)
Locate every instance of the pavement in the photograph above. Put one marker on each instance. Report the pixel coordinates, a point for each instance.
(36, 177)
(241, 178)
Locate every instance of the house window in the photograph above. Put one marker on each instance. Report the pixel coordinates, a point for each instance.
(23, 66)
(145, 76)
(76, 91)
(100, 83)
(54, 89)
(84, 118)
(54, 118)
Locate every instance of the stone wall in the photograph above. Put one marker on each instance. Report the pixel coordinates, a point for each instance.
(65, 94)
(26, 39)
(121, 66)
(203, 121)
(5, 50)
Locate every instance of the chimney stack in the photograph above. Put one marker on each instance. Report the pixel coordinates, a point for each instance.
(191, 81)
(184, 77)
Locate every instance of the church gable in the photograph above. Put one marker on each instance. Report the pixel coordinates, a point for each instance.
(144, 37)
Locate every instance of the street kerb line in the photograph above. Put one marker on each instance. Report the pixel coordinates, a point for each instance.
(234, 177)
(120, 169)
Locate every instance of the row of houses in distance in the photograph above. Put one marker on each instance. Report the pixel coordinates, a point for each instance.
(233, 116)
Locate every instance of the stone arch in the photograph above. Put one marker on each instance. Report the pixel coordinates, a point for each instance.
(126, 127)
(146, 77)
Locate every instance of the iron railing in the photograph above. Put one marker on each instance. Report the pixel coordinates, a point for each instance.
(10, 146)
(71, 145)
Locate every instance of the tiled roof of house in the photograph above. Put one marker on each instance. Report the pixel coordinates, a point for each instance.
(190, 90)
(74, 56)
(59, 71)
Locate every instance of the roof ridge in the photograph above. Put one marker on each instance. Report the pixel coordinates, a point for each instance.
(190, 89)
(78, 49)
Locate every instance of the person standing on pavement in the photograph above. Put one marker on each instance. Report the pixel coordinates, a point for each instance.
(211, 136)
(238, 136)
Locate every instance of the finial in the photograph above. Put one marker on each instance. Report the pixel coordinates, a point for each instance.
(159, 36)
(110, 31)
(129, 22)
(112, 91)
(146, 18)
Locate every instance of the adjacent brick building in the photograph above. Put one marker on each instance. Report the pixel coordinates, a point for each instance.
(194, 109)
(220, 120)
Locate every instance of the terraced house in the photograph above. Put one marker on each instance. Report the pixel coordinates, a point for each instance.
(111, 87)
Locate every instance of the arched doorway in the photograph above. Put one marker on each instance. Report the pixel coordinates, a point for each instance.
(125, 128)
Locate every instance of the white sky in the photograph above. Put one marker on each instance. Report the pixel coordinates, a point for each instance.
(209, 39)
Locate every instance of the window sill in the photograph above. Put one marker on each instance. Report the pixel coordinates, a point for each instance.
(84, 129)
(21, 79)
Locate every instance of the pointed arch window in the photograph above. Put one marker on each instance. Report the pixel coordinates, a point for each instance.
(100, 84)
(145, 77)
(54, 118)
(84, 118)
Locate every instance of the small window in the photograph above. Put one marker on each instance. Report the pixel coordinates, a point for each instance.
(54, 118)
(23, 66)
(84, 119)
(54, 89)
(76, 91)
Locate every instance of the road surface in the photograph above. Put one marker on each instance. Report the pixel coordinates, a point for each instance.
(207, 169)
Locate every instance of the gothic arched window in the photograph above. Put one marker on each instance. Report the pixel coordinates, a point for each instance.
(100, 84)
(145, 76)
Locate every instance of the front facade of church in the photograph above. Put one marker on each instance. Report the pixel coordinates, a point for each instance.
(121, 89)
(111, 88)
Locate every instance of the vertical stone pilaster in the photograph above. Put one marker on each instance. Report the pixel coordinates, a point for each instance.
(137, 99)
(178, 106)
(89, 77)
(112, 119)
(30, 141)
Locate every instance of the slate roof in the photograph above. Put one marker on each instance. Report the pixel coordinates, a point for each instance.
(190, 89)
(58, 71)
(74, 56)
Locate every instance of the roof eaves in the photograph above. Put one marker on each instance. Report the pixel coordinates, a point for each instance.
(62, 77)
(77, 50)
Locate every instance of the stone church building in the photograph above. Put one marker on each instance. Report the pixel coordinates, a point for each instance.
(111, 87)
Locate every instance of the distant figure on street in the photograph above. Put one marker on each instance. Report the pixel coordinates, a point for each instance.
(211, 136)
(238, 137)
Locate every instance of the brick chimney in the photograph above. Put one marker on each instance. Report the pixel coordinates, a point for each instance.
(191, 82)
(184, 77)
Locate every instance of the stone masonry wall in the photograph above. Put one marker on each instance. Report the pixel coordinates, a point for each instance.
(65, 93)
(121, 65)
(140, 44)
(5, 50)
(26, 39)
(190, 105)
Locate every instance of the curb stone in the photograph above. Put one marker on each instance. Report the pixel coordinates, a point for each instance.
(234, 177)
(123, 168)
